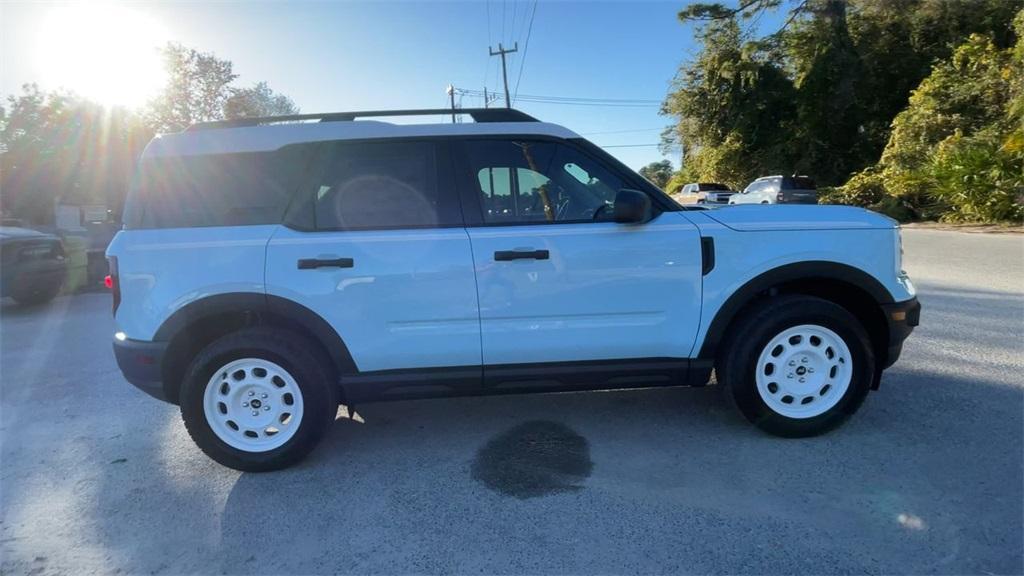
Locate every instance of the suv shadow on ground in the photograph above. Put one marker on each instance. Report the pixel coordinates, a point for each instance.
(399, 492)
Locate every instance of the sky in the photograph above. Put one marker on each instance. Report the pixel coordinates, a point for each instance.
(331, 56)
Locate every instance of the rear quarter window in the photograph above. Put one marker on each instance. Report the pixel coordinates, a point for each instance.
(215, 190)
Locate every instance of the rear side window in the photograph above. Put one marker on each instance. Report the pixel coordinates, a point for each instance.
(798, 183)
(215, 190)
(381, 185)
(763, 185)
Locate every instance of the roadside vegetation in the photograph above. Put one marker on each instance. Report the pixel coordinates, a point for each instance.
(60, 147)
(914, 108)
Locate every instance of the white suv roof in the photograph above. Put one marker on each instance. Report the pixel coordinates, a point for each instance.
(262, 134)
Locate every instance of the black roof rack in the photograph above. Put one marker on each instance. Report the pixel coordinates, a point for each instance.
(477, 114)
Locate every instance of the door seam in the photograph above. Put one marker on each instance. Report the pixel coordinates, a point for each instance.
(476, 284)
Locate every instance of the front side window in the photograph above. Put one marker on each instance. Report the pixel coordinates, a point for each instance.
(528, 181)
(379, 185)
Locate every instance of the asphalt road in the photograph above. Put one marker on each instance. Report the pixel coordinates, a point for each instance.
(927, 478)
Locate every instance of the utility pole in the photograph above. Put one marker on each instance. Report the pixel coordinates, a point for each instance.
(486, 100)
(451, 94)
(504, 73)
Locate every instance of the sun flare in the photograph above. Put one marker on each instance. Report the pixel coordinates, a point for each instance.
(104, 52)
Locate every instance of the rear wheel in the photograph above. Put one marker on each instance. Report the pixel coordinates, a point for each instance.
(797, 365)
(259, 399)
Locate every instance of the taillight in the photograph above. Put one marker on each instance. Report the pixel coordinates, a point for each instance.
(113, 283)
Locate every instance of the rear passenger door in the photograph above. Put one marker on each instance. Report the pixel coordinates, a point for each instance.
(374, 243)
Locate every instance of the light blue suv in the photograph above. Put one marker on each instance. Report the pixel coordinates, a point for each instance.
(270, 269)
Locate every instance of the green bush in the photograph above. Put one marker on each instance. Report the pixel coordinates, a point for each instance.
(895, 208)
(865, 188)
(979, 180)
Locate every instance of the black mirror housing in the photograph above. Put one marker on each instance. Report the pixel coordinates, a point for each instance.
(632, 207)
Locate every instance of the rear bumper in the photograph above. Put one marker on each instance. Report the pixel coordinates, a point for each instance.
(141, 363)
(902, 318)
(23, 277)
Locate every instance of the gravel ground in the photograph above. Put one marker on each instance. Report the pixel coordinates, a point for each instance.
(96, 477)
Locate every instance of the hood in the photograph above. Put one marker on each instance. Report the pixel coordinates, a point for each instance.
(756, 217)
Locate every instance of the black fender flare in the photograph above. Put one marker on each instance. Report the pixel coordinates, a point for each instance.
(810, 270)
(264, 306)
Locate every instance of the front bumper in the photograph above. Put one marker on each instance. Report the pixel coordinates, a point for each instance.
(901, 318)
(141, 363)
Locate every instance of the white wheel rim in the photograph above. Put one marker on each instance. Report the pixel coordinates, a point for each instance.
(804, 371)
(253, 405)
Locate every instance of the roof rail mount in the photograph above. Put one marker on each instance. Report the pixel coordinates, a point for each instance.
(477, 114)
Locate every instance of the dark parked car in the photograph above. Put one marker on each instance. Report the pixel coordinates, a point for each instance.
(778, 190)
(32, 266)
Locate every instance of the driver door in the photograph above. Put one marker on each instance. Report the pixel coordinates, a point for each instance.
(557, 281)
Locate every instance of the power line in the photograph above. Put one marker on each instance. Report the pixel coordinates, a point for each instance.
(488, 22)
(515, 10)
(582, 101)
(526, 47)
(596, 100)
(598, 104)
(620, 131)
(487, 68)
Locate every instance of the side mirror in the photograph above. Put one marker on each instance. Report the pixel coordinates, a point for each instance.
(632, 207)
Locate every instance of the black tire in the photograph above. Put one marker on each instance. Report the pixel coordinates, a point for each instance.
(311, 371)
(37, 295)
(736, 365)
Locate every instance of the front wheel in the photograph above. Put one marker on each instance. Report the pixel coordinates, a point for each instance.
(259, 399)
(797, 365)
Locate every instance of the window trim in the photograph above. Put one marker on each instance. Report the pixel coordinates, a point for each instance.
(473, 207)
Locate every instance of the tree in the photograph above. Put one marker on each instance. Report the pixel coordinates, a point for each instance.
(956, 151)
(197, 88)
(827, 74)
(658, 172)
(58, 147)
(819, 94)
(256, 102)
(734, 107)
